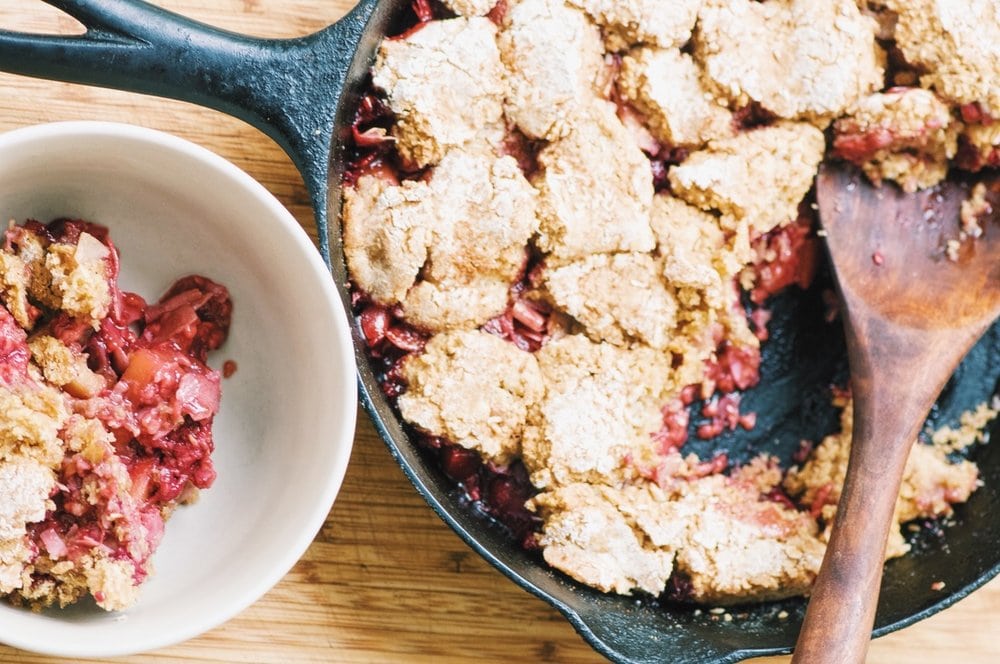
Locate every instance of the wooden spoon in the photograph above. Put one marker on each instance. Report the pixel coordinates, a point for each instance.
(911, 313)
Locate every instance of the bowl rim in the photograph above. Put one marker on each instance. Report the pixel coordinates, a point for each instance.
(341, 344)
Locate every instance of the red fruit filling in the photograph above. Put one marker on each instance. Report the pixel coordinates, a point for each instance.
(791, 257)
(158, 401)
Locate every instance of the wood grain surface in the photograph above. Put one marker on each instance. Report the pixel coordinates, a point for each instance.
(385, 579)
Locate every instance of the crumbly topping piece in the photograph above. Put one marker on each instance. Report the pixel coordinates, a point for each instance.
(903, 127)
(980, 146)
(486, 214)
(25, 485)
(956, 44)
(452, 305)
(601, 404)
(596, 190)
(732, 545)
(974, 209)
(111, 582)
(70, 277)
(463, 231)
(32, 418)
(591, 291)
(445, 84)
(474, 389)
(930, 485)
(805, 59)
(587, 537)
(701, 261)
(14, 280)
(554, 61)
(666, 86)
(971, 429)
(630, 22)
(64, 367)
(738, 547)
(386, 229)
(760, 176)
(77, 278)
(697, 253)
(470, 8)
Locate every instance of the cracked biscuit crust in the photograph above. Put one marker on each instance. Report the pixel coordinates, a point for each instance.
(666, 86)
(470, 7)
(906, 135)
(445, 84)
(591, 291)
(554, 59)
(587, 537)
(799, 59)
(630, 22)
(957, 44)
(760, 176)
(386, 229)
(738, 546)
(601, 404)
(463, 232)
(728, 542)
(596, 190)
(474, 389)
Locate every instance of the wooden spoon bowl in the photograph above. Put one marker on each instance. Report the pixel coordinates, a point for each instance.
(916, 296)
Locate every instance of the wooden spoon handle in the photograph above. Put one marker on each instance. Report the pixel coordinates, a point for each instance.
(841, 610)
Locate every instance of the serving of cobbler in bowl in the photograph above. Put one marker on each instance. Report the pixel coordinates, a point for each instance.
(173, 430)
(586, 267)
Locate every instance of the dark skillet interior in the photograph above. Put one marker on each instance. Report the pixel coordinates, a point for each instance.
(803, 358)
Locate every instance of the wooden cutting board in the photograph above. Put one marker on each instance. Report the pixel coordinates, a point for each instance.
(385, 580)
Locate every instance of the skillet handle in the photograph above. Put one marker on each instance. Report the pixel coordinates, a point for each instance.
(287, 88)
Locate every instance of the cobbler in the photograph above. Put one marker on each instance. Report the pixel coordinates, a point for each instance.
(563, 221)
(107, 406)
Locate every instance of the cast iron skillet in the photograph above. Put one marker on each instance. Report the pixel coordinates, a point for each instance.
(302, 93)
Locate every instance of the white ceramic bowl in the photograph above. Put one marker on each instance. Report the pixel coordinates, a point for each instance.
(286, 423)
